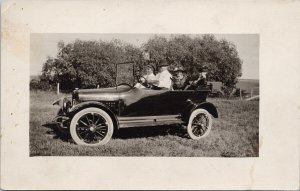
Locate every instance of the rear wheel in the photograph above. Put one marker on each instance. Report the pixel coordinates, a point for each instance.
(92, 127)
(200, 124)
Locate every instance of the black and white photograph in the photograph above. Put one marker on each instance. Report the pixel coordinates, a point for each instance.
(150, 95)
(169, 95)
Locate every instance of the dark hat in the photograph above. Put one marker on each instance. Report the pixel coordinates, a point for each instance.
(204, 68)
(163, 63)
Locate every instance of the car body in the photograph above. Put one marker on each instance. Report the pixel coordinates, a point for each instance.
(93, 115)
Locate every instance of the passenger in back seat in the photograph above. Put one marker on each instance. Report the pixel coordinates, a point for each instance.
(198, 78)
(179, 78)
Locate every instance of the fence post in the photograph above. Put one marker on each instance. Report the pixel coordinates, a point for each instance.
(98, 86)
(240, 94)
(251, 94)
(57, 88)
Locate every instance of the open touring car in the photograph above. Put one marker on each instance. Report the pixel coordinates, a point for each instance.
(93, 115)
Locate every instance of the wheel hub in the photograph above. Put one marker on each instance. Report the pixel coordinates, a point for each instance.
(92, 128)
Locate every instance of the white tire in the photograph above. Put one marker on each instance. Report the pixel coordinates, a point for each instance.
(200, 124)
(91, 127)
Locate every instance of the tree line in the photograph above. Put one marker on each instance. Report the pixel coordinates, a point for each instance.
(88, 64)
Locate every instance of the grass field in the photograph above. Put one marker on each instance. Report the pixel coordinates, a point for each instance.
(247, 83)
(234, 134)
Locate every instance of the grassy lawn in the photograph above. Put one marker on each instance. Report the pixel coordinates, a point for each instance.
(234, 134)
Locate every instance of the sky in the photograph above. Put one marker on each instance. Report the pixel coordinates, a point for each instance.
(43, 45)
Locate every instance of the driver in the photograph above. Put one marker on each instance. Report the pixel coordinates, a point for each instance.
(147, 79)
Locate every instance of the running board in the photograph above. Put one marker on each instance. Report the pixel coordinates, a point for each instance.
(125, 122)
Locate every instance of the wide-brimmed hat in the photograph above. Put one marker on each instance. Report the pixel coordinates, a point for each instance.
(163, 62)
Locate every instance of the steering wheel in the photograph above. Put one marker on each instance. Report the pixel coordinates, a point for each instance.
(146, 83)
(125, 84)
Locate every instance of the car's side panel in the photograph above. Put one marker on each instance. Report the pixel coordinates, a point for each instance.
(148, 102)
(125, 122)
(178, 100)
(144, 102)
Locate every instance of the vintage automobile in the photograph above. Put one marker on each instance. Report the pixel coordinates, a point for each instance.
(92, 116)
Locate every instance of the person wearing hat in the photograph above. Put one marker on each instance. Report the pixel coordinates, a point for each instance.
(198, 78)
(164, 76)
(179, 78)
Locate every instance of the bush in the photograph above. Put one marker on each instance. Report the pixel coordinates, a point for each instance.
(40, 85)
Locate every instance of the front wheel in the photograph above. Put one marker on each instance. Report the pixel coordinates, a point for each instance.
(91, 127)
(200, 124)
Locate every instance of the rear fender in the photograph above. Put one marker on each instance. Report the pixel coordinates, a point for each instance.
(99, 105)
(208, 107)
(193, 106)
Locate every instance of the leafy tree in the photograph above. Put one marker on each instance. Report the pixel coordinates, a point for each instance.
(86, 64)
(219, 56)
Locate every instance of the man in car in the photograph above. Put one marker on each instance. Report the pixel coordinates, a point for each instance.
(179, 78)
(198, 78)
(164, 76)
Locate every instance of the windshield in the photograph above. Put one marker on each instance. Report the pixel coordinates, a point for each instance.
(125, 73)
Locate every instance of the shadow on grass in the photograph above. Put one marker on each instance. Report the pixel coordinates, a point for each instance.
(57, 133)
(127, 133)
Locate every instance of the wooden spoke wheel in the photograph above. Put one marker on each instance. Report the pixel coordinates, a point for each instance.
(92, 127)
(200, 124)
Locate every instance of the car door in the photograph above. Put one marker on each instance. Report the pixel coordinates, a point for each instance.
(178, 100)
(145, 102)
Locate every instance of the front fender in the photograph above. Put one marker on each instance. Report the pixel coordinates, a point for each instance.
(64, 103)
(88, 104)
(193, 106)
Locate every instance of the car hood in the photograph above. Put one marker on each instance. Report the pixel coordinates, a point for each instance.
(103, 94)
